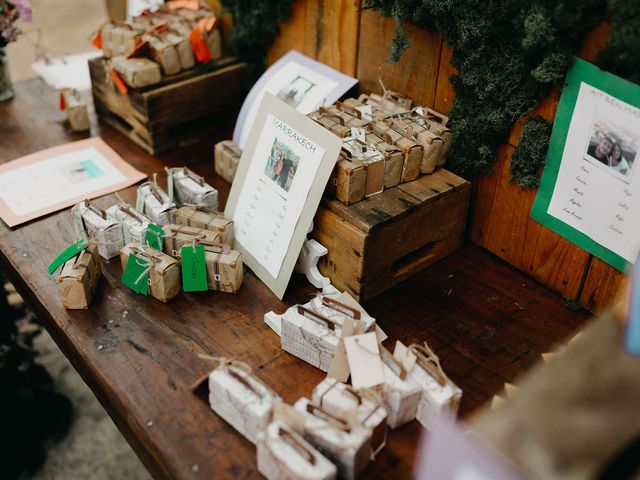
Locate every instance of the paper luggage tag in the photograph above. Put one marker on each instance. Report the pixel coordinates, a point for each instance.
(404, 356)
(136, 274)
(366, 111)
(194, 268)
(339, 368)
(364, 360)
(67, 254)
(359, 134)
(153, 236)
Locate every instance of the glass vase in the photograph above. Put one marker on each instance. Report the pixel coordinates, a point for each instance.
(6, 87)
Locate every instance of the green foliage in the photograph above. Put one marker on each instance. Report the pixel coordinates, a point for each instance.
(508, 55)
(530, 154)
(255, 26)
(620, 55)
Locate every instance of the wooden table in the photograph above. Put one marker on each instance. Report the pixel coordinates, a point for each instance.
(486, 321)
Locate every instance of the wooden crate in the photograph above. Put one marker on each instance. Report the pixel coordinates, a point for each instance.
(379, 242)
(179, 110)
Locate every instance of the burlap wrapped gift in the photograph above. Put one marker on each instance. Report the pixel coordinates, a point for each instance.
(163, 270)
(78, 279)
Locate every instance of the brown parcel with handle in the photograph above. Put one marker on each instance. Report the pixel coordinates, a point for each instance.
(78, 279)
(224, 267)
(164, 274)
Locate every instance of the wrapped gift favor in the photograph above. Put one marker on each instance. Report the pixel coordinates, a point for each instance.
(137, 72)
(134, 224)
(76, 109)
(437, 123)
(348, 181)
(155, 204)
(346, 444)
(332, 122)
(176, 236)
(205, 218)
(413, 151)
(312, 331)
(401, 395)
(373, 161)
(78, 279)
(226, 159)
(163, 270)
(92, 223)
(285, 455)
(118, 39)
(240, 398)
(439, 393)
(171, 51)
(224, 268)
(393, 158)
(431, 143)
(187, 188)
(365, 406)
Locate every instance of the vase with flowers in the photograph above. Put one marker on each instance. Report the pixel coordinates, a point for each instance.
(10, 12)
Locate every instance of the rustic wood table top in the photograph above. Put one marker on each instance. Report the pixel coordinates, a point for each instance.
(488, 322)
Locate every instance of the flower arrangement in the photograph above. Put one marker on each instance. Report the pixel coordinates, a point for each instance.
(10, 12)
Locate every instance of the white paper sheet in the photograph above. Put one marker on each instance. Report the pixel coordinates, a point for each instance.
(591, 194)
(71, 71)
(270, 205)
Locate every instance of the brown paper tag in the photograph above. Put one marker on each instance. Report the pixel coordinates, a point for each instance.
(364, 360)
(404, 356)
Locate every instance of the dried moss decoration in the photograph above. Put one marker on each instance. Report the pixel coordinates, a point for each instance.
(620, 56)
(530, 155)
(255, 25)
(508, 54)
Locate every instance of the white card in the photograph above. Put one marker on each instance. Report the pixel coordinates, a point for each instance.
(364, 360)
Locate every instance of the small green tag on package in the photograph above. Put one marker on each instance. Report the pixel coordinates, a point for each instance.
(153, 237)
(194, 268)
(135, 275)
(67, 254)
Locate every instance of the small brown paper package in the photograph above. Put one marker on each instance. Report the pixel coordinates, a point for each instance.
(431, 143)
(241, 398)
(188, 188)
(224, 268)
(134, 224)
(352, 117)
(413, 151)
(401, 396)
(348, 182)
(283, 454)
(118, 39)
(365, 406)
(205, 218)
(439, 393)
(173, 52)
(78, 279)
(312, 331)
(176, 236)
(436, 123)
(76, 109)
(92, 223)
(332, 122)
(153, 202)
(347, 444)
(393, 158)
(378, 107)
(373, 161)
(163, 274)
(137, 72)
(226, 159)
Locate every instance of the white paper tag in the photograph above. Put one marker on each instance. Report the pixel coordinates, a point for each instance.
(404, 356)
(364, 360)
(339, 368)
(367, 113)
(359, 134)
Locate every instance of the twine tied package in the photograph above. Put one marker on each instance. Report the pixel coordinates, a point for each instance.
(176, 236)
(208, 219)
(134, 224)
(78, 279)
(152, 201)
(162, 271)
(188, 188)
(93, 224)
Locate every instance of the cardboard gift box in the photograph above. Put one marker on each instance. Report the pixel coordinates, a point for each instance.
(345, 443)
(205, 218)
(348, 181)
(226, 157)
(137, 72)
(188, 188)
(437, 123)
(173, 52)
(312, 331)
(241, 399)
(431, 143)
(439, 393)
(353, 118)
(118, 38)
(76, 109)
(163, 274)
(153, 202)
(78, 279)
(92, 223)
(176, 236)
(393, 158)
(332, 122)
(400, 395)
(134, 224)
(376, 106)
(372, 160)
(285, 455)
(413, 151)
(365, 406)
(224, 268)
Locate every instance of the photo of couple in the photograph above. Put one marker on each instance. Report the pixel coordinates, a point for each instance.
(612, 146)
(282, 165)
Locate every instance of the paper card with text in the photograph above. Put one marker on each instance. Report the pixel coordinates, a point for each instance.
(448, 451)
(590, 188)
(364, 360)
(194, 268)
(339, 368)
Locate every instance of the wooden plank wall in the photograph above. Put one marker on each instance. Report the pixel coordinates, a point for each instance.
(356, 42)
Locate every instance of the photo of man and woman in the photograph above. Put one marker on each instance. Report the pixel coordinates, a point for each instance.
(295, 91)
(613, 146)
(282, 165)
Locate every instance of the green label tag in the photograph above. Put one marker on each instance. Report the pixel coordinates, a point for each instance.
(153, 237)
(136, 274)
(67, 254)
(194, 269)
